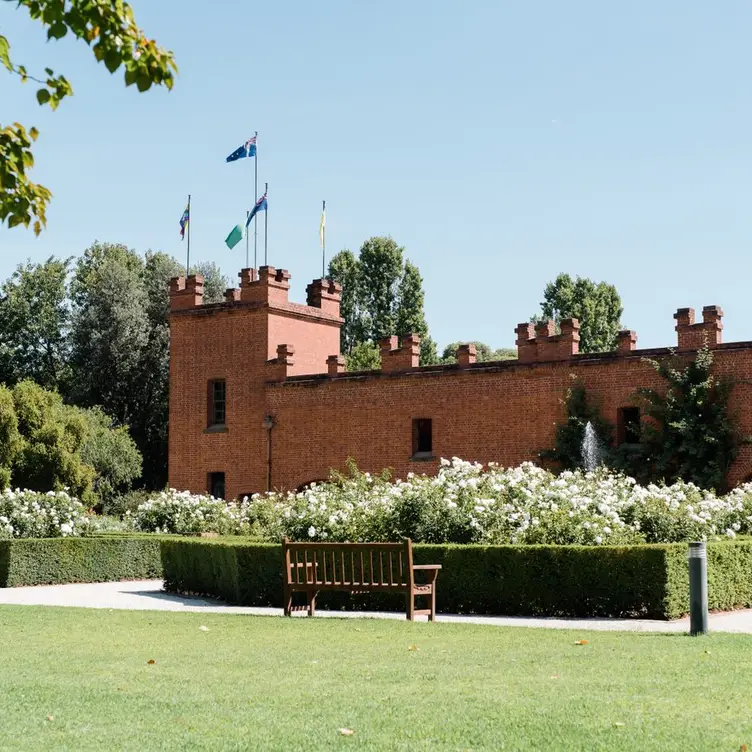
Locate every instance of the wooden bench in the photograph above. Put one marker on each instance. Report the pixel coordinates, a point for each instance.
(313, 567)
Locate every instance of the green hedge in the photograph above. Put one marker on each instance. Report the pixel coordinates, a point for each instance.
(100, 558)
(649, 581)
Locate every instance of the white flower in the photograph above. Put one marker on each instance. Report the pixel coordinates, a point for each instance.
(311, 532)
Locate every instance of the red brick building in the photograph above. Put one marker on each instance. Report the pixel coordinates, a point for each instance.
(259, 398)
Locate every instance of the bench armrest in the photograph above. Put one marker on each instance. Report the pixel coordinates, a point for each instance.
(426, 566)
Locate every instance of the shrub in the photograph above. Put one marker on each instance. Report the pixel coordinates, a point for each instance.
(48, 456)
(689, 433)
(29, 514)
(648, 581)
(184, 513)
(126, 503)
(467, 503)
(113, 455)
(94, 559)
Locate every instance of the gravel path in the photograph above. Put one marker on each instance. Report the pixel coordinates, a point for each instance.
(147, 595)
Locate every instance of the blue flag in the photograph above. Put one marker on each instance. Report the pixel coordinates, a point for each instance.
(260, 206)
(248, 149)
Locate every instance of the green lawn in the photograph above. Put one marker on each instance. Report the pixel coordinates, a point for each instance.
(81, 679)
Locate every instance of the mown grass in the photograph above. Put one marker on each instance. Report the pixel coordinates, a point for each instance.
(81, 679)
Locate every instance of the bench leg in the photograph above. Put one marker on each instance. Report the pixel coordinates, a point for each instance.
(432, 615)
(288, 602)
(312, 602)
(410, 606)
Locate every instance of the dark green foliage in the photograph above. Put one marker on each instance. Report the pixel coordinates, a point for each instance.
(382, 295)
(229, 568)
(647, 581)
(34, 321)
(567, 451)
(410, 314)
(53, 561)
(113, 455)
(119, 504)
(597, 306)
(483, 353)
(345, 269)
(688, 433)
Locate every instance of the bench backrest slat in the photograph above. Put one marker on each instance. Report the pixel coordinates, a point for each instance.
(348, 564)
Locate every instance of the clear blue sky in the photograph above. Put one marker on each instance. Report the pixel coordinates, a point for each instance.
(500, 143)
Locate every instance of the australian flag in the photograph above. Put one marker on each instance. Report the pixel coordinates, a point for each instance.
(260, 206)
(248, 149)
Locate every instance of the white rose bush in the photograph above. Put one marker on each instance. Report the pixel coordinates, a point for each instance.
(33, 514)
(466, 503)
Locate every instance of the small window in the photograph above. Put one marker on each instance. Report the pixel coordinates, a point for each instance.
(422, 437)
(217, 485)
(629, 425)
(217, 402)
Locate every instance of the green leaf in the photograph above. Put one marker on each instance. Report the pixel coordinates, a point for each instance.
(33, 133)
(5, 54)
(143, 82)
(112, 60)
(57, 31)
(131, 74)
(43, 96)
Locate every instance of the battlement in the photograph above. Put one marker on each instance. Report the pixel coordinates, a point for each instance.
(539, 342)
(708, 332)
(267, 286)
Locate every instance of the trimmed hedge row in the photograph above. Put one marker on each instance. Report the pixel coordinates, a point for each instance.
(649, 581)
(100, 558)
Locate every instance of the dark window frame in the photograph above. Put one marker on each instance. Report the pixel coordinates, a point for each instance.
(216, 416)
(628, 423)
(422, 439)
(215, 479)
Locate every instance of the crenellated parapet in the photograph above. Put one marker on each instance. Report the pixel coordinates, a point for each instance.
(399, 358)
(540, 342)
(691, 335)
(186, 292)
(325, 294)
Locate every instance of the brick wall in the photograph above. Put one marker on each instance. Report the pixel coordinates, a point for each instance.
(282, 360)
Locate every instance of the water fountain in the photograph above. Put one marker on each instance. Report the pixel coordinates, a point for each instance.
(591, 450)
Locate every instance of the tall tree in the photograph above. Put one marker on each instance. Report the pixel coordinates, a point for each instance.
(117, 41)
(152, 426)
(382, 295)
(34, 320)
(596, 305)
(410, 316)
(345, 269)
(110, 332)
(381, 269)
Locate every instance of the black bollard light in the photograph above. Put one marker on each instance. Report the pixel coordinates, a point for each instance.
(698, 588)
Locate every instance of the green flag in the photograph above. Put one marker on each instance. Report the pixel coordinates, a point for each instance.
(235, 236)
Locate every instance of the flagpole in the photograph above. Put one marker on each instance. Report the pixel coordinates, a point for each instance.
(255, 199)
(266, 218)
(188, 250)
(247, 212)
(323, 240)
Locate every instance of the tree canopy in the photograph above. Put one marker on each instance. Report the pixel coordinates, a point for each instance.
(382, 295)
(596, 305)
(110, 29)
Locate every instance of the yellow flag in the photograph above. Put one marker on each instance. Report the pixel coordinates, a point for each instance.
(322, 224)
